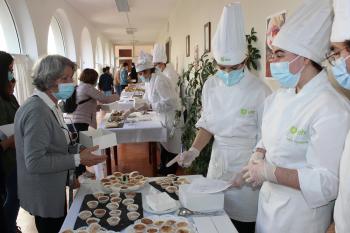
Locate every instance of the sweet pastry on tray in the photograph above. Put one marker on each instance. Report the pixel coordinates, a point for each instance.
(124, 182)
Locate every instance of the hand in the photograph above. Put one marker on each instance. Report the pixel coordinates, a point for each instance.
(127, 113)
(237, 180)
(331, 228)
(259, 171)
(186, 158)
(257, 155)
(89, 159)
(8, 143)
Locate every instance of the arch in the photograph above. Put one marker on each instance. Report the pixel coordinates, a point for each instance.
(9, 40)
(55, 41)
(99, 55)
(112, 57)
(67, 34)
(107, 60)
(25, 28)
(87, 55)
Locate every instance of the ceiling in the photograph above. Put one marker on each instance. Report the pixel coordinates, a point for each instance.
(147, 16)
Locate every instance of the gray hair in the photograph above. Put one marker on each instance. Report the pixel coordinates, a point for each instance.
(48, 69)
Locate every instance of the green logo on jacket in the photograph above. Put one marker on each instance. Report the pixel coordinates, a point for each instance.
(246, 112)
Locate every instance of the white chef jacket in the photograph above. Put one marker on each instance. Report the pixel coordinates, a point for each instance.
(342, 204)
(161, 95)
(171, 74)
(306, 132)
(233, 115)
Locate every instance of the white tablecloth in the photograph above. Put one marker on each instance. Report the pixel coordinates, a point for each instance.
(141, 131)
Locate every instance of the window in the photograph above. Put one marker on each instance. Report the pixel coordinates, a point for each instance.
(9, 41)
(55, 42)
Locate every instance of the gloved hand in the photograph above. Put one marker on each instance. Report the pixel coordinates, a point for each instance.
(237, 180)
(258, 171)
(257, 155)
(127, 113)
(186, 158)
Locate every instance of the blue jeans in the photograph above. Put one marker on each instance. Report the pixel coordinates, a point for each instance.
(11, 206)
(117, 89)
(108, 93)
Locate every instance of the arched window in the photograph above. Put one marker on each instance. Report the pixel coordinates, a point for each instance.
(55, 42)
(9, 41)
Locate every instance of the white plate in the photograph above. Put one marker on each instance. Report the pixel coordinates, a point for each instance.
(147, 208)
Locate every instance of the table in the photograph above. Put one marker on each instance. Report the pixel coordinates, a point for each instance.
(93, 186)
(139, 132)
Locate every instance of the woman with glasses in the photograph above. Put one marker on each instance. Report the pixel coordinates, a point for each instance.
(232, 104)
(304, 127)
(340, 60)
(8, 108)
(42, 138)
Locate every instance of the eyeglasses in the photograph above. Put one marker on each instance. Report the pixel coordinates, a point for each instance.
(332, 56)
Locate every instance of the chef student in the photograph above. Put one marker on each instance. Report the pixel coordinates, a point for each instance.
(160, 62)
(339, 58)
(232, 102)
(160, 96)
(303, 129)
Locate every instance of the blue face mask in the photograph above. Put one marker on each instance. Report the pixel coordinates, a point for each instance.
(65, 90)
(341, 73)
(144, 80)
(280, 72)
(10, 76)
(231, 78)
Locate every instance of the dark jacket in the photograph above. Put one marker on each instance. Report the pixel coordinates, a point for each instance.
(8, 109)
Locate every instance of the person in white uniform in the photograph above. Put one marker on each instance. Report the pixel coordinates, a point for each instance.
(160, 62)
(339, 58)
(161, 97)
(232, 104)
(304, 127)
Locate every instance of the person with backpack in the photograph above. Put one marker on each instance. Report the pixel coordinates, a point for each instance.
(86, 98)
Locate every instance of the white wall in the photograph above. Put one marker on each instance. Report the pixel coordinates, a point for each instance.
(189, 17)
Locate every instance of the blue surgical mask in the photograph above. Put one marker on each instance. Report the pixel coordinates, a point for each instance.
(341, 73)
(280, 72)
(144, 79)
(231, 78)
(10, 76)
(158, 69)
(65, 90)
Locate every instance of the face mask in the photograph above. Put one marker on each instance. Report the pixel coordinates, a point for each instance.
(341, 73)
(280, 72)
(65, 90)
(158, 69)
(231, 78)
(10, 76)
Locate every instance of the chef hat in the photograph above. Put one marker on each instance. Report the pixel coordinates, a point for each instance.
(159, 54)
(307, 31)
(229, 42)
(341, 24)
(144, 62)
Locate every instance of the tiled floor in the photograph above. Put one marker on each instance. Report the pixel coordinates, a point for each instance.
(131, 157)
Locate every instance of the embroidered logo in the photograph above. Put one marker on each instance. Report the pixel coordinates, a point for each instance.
(299, 136)
(246, 112)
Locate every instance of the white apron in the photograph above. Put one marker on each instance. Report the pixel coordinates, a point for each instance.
(161, 94)
(306, 132)
(342, 204)
(232, 115)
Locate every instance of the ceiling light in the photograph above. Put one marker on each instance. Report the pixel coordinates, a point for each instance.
(130, 31)
(122, 5)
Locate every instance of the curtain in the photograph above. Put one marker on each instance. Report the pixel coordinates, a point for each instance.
(22, 70)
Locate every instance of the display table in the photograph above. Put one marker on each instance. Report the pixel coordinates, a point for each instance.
(139, 132)
(93, 186)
